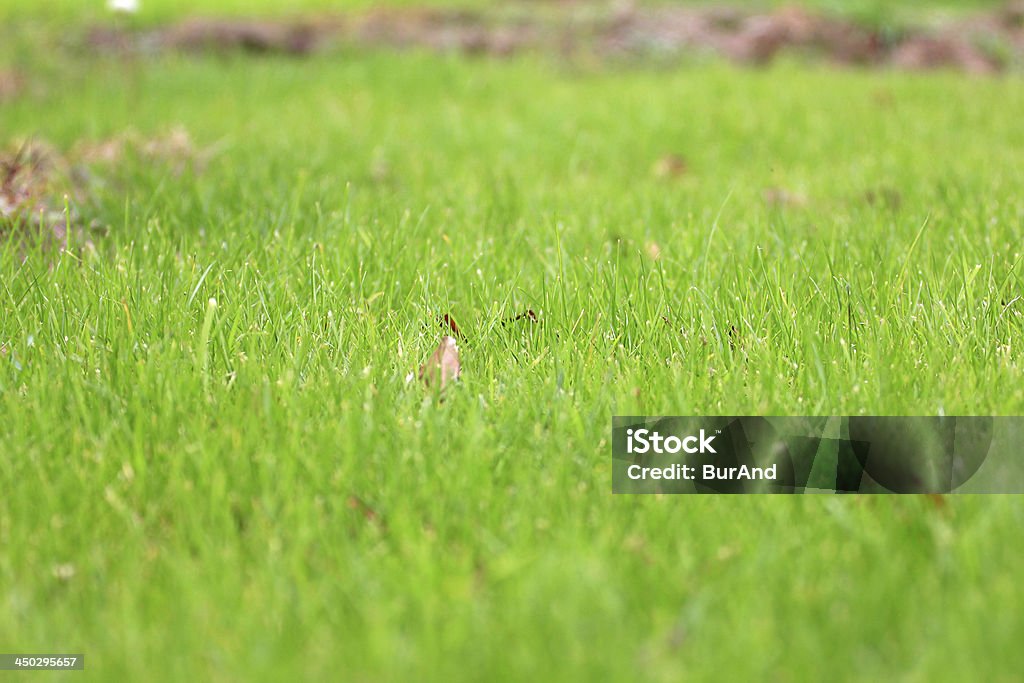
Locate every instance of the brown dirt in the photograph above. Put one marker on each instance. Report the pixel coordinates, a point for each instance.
(12, 84)
(981, 43)
(41, 188)
(32, 206)
(758, 38)
(298, 38)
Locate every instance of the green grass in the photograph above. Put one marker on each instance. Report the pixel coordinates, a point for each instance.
(194, 464)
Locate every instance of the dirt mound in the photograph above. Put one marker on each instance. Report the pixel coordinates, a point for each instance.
(981, 43)
(42, 190)
(32, 208)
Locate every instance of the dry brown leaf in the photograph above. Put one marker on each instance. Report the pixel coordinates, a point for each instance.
(443, 365)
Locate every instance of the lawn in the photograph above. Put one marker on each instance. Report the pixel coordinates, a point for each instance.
(214, 468)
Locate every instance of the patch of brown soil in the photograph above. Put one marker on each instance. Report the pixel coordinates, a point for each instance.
(981, 43)
(12, 84)
(217, 35)
(41, 189)
(298, 38)
(946, 52)
(759, 38)
(33, 209)
(445, 31)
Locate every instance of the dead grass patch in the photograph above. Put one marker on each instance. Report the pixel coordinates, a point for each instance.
(43, 190)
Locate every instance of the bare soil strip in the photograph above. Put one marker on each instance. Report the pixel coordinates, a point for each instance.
(981, 43)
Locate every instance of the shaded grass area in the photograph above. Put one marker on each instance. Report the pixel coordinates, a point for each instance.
(250, 489)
